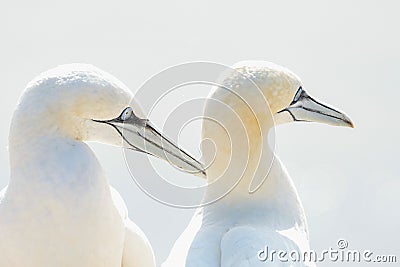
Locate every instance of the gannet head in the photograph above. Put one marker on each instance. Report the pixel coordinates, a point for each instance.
(287, 97)
(250, 99)
(84, 103)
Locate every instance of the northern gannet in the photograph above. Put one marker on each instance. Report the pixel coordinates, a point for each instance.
(58, 208)
(232, 230)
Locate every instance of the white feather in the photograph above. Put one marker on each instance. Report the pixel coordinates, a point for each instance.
(58, 209)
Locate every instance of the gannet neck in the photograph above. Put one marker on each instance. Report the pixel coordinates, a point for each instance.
(54, 165)
(275, 202)
(245, 161)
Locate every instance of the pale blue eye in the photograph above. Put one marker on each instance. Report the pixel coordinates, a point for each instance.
(126, 114)
(298, 94)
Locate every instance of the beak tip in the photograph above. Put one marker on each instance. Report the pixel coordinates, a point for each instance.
(349, 122)
(201, 173)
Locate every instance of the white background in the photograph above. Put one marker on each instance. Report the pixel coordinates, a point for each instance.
(346, 52)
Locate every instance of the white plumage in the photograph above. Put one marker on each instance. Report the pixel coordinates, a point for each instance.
(58, 209)
(231, 231)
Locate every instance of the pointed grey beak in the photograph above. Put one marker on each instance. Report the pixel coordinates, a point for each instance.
(139, 135)
(306, 108)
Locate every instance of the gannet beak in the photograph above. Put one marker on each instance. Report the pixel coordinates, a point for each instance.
(139, 135)
(306, 108)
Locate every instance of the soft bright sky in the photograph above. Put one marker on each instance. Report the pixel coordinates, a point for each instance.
(346, 52)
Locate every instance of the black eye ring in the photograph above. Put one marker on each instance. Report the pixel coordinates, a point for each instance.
(126, 114)
(298, 94)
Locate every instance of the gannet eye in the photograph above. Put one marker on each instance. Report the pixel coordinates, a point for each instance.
(298, 94)
(126, 114)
